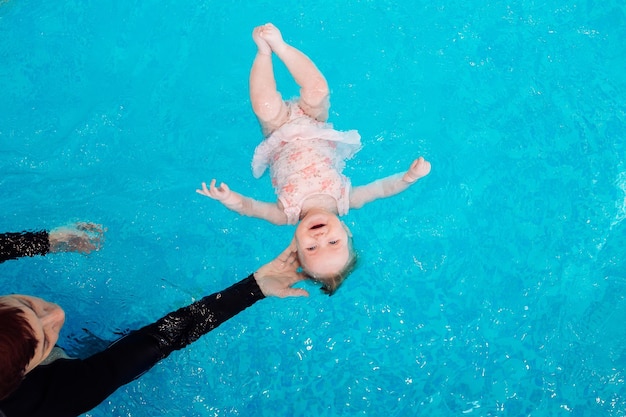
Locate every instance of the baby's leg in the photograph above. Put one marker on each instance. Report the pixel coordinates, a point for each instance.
(267, 102)
(314, 93)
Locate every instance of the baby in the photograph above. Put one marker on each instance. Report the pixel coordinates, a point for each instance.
(306, 157)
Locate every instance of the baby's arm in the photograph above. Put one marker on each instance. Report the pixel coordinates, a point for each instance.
(243, 205)
(386, 187)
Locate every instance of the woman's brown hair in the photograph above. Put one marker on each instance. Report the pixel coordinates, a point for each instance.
(17, 348)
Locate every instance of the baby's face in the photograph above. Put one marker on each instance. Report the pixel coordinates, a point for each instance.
(322, 241)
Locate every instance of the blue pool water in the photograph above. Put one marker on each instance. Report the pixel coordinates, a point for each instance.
(494, 287)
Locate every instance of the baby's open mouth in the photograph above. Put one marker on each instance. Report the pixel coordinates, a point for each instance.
(317, 226)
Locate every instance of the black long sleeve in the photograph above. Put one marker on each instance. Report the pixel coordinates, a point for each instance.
(70, 387)
(184, 326)
(17, 245)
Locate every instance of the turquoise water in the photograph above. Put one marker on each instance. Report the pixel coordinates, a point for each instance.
(494, 287)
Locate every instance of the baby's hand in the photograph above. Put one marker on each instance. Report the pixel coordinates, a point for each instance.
(220, 193)
(262, 45)
(419, 168)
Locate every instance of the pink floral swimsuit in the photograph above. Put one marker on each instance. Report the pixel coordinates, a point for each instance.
(306, 157)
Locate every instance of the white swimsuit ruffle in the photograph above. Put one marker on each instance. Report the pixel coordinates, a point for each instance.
(348, 142)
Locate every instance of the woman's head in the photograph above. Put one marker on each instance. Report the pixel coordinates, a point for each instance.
(325, 249)
(29, 329)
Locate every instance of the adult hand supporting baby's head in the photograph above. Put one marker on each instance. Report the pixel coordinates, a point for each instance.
(277, 277)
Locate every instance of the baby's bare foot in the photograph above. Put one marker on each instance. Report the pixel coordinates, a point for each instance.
(262, 45)
(273, 37)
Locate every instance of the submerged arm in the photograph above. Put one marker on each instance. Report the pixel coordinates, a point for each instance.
(16, 245)
(77, 237)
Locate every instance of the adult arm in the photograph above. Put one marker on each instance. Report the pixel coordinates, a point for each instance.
(78, 237)
(389, 186)
(17, 245)
(69, 387)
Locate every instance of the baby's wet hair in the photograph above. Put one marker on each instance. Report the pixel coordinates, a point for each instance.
(331, 284)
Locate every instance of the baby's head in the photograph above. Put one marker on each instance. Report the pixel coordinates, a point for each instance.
(325, 249)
